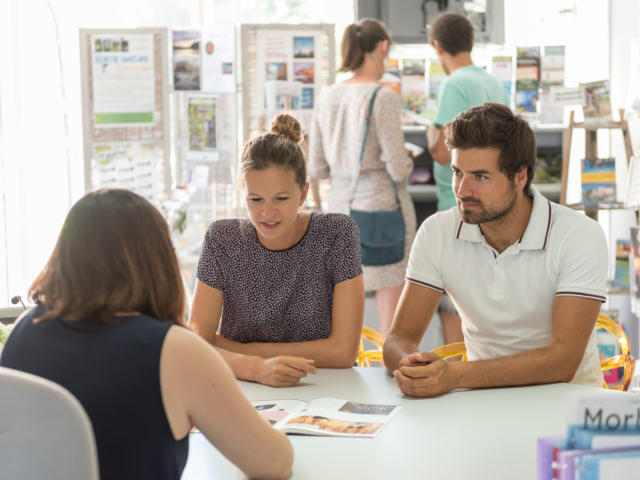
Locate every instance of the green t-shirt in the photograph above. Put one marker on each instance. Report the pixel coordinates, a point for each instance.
(465, 88)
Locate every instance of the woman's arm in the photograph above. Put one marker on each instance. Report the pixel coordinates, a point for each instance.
(339, 350)
(199, 389)
(280, 371)
(317, 167)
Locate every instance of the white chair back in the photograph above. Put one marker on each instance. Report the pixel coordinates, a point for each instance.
(44, 431)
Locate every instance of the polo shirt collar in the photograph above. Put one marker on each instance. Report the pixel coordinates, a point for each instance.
(536, 235)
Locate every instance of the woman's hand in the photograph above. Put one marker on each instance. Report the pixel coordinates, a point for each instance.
(282, 371)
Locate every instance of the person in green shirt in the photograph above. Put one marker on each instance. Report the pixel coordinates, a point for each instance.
(466, 86)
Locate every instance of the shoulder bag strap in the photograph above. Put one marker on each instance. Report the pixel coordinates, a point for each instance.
(356, 174)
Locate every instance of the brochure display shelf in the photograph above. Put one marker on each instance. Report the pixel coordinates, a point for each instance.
(591, 147)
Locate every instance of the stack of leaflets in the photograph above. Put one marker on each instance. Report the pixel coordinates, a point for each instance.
(326, 416)
(602, 441)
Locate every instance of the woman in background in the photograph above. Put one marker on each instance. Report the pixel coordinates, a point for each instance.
(286, 284)
(335, 141)
(108, 327)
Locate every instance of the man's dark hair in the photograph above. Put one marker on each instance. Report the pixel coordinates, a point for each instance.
(453, 32)
(493, 125)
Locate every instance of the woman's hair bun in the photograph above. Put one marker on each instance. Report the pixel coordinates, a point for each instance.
(287, 126)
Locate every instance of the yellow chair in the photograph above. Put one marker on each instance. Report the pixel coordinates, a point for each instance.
(365, 357)
(452, 350)
(624, 360)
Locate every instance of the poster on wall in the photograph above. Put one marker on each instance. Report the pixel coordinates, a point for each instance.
(283, 95)
(123, 80)
(527, 79)
(413, 87)
(186, 59)
(217, 54)
(502, 69)
(129, 165)
(288, 66)
(391, 77)
(436, 76)
(203, 143)
(597, 106)
(552, 75)
(634, 267)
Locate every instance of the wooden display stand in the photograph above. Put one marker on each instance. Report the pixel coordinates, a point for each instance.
(590, 148)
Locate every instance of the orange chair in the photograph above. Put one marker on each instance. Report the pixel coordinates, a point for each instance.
(365, 357)
(624, 360)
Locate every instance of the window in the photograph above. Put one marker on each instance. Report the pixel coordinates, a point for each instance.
(41, 164)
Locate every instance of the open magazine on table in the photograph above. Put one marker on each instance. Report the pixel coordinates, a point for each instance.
(326, 416)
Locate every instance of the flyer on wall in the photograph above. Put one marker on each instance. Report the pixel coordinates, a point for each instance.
(123, 80)
(552, 75)
(527, 79)
(130, 165)
(186, 60)
(413, 87)
(217, 53)
(289, 56)
(436, 76)
(282, 95)
(502, 69)
(202, 128)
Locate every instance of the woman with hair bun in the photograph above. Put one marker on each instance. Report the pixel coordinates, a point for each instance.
(285, 285)
(335, 141)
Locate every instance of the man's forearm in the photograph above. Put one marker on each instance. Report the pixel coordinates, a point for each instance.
(531, 367)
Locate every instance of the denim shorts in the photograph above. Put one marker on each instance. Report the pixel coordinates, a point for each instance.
(446, 304)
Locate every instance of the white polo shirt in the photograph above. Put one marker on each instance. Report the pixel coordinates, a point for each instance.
(505, 300)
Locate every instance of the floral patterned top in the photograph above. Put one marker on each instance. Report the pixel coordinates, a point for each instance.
(334, 148)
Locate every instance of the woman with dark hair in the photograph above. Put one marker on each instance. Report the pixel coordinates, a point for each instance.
(108, 326)
(285, 285)
(336, 138)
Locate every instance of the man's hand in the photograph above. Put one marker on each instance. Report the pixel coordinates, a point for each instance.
(283, 370)
(424, 374)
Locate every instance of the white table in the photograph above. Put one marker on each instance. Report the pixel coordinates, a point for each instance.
(466, 434)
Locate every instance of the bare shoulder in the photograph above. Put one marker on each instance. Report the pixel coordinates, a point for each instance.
(186, 349)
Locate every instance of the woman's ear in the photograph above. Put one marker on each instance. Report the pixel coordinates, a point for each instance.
(384, 47)
(303, 194)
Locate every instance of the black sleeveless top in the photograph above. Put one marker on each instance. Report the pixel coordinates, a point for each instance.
(114, 371)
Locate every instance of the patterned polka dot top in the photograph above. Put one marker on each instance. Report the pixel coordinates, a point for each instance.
(279, 296)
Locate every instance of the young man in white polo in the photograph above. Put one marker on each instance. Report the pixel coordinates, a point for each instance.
(526, 275)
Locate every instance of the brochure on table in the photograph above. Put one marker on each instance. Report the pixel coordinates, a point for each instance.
(327, 416)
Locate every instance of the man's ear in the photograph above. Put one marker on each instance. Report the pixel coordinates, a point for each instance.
(521, 177)
(437, 47)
